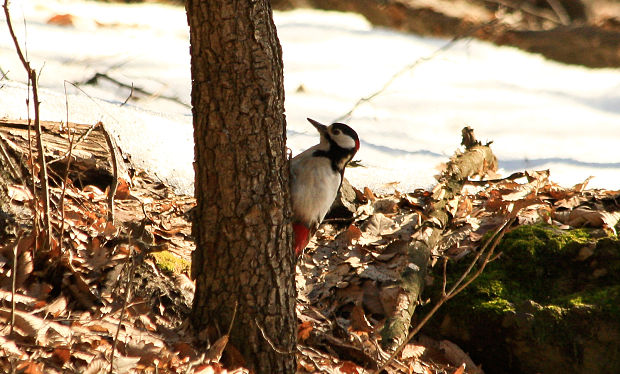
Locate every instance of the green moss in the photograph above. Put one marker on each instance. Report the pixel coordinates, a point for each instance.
(606, 299)
(549, 294)
(541, 263)
(169, 263)
(496, 305)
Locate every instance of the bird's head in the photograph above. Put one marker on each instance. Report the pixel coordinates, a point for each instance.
(339, 135)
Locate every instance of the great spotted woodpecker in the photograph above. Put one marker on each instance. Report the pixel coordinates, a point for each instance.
(316, 177)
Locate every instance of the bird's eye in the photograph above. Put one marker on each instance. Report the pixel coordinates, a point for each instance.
(336, 132)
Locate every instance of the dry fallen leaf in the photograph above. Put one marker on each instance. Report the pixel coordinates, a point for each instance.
(61, 20)
(123, 364)
(214, 354)
(353, 233)
(369, 195)
(586, 216)
(122, 190)
(19, 193)
(56, 307)
(304, 330)
(8, 347)
(417, 368)
(359, 322)
(96, 366)
(349, 367)
(61, 355)
(580, 187)
(459, 370)
(412, 351)
(30, 367)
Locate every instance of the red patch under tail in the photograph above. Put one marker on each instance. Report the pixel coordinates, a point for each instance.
(302, 237)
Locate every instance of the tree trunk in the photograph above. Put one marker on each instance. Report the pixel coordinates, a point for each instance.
(244, 258)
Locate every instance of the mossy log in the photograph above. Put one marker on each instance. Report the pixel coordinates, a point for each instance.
(551, 305)
(91, 157)
(477, 159)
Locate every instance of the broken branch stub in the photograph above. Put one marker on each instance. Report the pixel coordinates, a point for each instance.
(477, 160)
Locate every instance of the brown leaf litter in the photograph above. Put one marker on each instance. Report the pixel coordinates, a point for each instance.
(68, 305)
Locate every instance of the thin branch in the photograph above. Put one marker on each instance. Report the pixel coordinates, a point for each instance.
(128, 97)
(94, 78)
(44, 180)
(560, 11)
(130, 277)
(6, 156)
(32, 77)
(459, 286)
(4, 74)
(473, 263)
(486, 260)
(232, 321)
(409, 67)
(92, 127)
(66, 176)
(64, 189)
(527, 8)
(445, 276)
(114, 185)
(271, 344)
(13, 282)
(12, 32)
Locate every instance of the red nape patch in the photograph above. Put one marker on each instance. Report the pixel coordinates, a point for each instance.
(302, 237)
(357, 145)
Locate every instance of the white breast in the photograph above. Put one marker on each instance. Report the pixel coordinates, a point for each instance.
(314, 185)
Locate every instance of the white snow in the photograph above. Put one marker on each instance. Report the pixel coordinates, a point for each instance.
(540, 114)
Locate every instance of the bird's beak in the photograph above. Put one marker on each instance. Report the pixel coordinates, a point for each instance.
(321, 128)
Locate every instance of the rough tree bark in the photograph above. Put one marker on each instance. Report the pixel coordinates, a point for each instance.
(244, 256)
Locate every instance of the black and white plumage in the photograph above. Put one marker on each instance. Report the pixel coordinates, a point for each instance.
(316, 177)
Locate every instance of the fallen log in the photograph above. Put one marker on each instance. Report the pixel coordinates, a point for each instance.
(477, 160)
(90, 157)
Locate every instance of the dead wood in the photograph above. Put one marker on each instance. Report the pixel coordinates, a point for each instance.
(476, 160)
(90, 152)
(112, 192)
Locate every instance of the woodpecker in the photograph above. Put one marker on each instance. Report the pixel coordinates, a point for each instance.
(316, 177)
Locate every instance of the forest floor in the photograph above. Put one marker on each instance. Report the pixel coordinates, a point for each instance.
(115, 293)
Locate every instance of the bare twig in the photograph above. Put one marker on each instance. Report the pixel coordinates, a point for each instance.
(65, 177)
(271, 344)
(13, 282)
(232, 321)
(114, 185)
(559, 11)
(6, 156)
(64, 189)
(487, 249)
(44, 180)
(409, 67)
(128, 97)
(130, 276)
(445, 276)
(97, 76)
(32, 77)
(526, 7)
(5, 74)
(90, 129)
